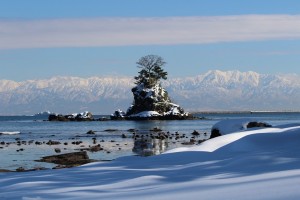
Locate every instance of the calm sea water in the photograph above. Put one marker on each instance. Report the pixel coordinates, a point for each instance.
(35, 129)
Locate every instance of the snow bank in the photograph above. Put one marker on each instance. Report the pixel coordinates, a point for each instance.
(234, 125)
(256, 164)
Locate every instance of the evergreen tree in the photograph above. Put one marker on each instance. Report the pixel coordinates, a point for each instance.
(151, 70)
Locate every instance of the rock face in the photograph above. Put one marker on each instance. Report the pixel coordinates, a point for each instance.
(85, 116)
(151, 103)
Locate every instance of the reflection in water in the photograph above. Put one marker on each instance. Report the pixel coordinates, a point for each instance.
(150, 146)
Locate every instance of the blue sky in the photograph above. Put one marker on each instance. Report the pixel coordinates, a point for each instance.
(41, 39)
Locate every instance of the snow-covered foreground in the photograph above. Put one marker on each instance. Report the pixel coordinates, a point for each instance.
(255, 164)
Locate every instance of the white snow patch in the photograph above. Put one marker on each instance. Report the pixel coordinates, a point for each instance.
(9, 132)
(146, 114)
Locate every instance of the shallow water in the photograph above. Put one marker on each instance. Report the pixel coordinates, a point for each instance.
(35, 129)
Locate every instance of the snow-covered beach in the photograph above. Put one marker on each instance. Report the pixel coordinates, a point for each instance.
(252, 164)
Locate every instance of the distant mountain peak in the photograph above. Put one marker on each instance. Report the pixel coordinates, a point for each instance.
(213, 90)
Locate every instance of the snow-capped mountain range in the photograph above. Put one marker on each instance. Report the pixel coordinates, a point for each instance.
(213, 91)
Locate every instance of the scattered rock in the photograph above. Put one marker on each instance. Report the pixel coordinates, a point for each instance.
(111, 130)
(118, 115)
(91, 132)
(196, 133)
(68, 159)
(85, 116)
(95, 148)
(156, 129)
(50, 142)
(57, 150)
(20, 169)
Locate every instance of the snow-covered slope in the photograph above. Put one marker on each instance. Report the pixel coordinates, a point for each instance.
(258, 164)
(64, 94)
(234, 90)
(214, 90)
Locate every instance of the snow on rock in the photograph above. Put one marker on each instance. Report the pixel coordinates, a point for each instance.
(146, 114)
(84, 116)
(254, 164)
(118, 114)
(234, 125)
(153, 102)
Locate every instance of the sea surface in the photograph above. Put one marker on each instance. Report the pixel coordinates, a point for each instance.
(25, 137)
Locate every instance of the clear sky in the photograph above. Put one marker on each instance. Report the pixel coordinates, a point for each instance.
(41, 39)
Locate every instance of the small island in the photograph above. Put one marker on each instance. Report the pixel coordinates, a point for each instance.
(151, 100)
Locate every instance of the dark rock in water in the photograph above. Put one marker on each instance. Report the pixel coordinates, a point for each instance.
(214, 133)
(118, 115)
(20, 169)
(68, 159)
(50, 142)
(54, 117)
(91, 132)
(196, 133)
(156, 129)
(57, 150)
(95, 148)
(85, 116)
(257, 124)
(111, 130)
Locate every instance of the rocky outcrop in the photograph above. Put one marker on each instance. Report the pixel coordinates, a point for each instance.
(68, 159)
(85, 116)
(151, 103)
(118, 115)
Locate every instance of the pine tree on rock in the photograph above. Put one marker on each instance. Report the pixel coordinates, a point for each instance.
(151, 70)
(150, 98)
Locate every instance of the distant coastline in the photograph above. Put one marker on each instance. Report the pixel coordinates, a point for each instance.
(193, 113)
(240, 112)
